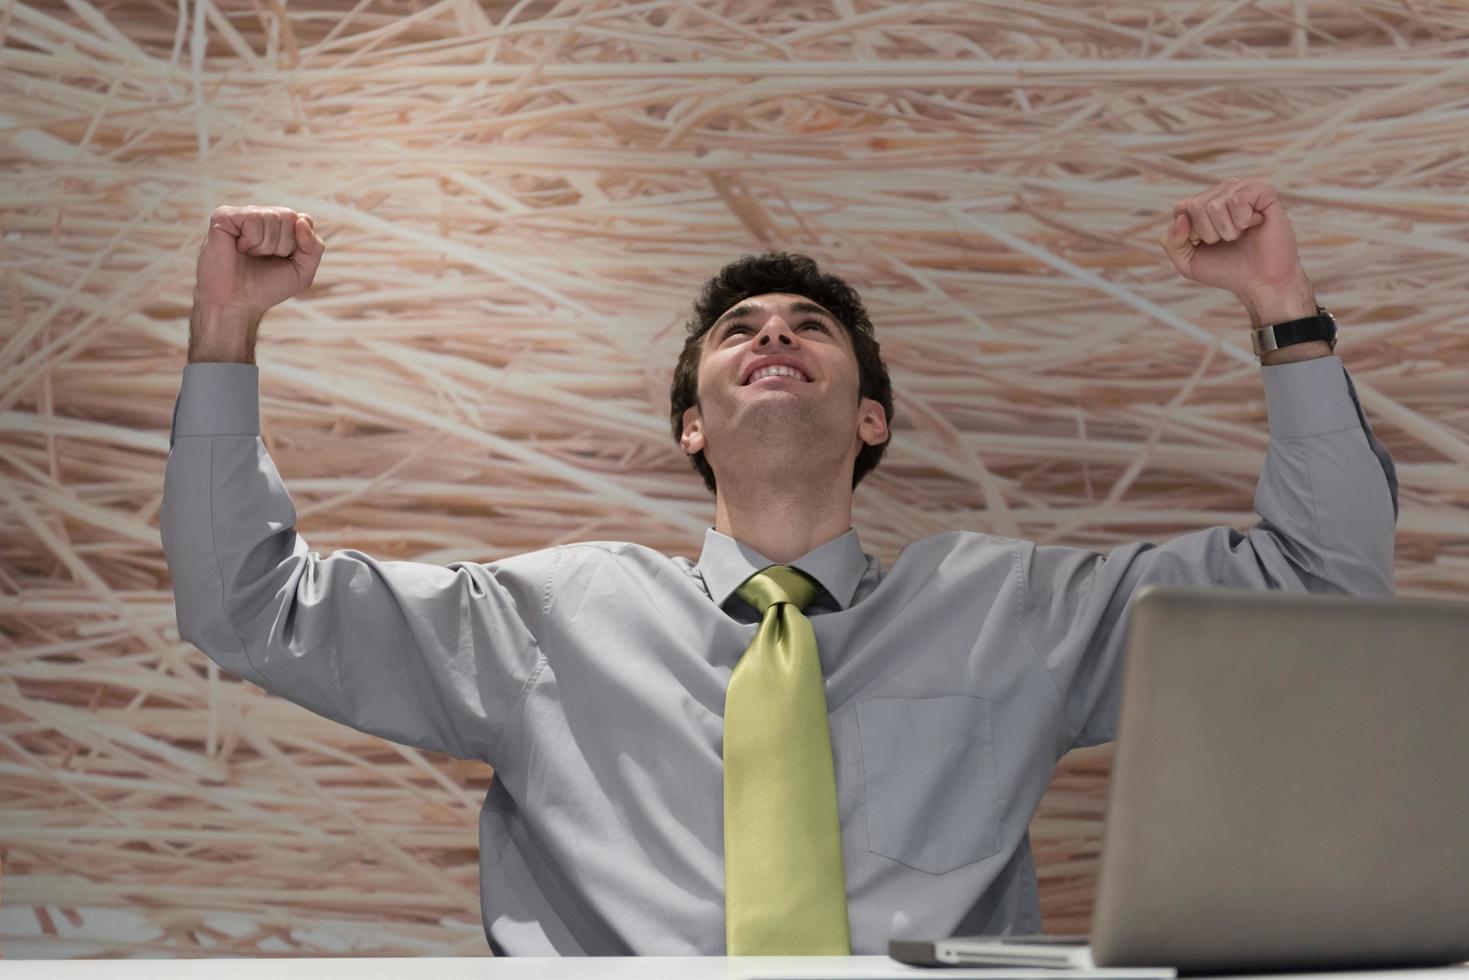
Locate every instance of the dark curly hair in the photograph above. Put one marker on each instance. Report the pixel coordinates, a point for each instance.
(780, 272)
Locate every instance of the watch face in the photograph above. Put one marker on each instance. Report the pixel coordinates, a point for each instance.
(1330, 325)
(1263, 340)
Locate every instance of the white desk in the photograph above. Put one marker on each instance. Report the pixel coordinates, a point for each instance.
(590, 968)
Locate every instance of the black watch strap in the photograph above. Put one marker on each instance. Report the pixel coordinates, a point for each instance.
(1321, 326)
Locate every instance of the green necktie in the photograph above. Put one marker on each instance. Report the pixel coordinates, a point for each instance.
(784, 890)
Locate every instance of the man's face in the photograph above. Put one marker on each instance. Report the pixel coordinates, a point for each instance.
(779, 366)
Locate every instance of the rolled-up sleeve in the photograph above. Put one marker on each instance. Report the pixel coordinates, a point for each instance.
(1327, 503)
(426, 655)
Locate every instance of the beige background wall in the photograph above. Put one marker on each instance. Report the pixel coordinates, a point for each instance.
(520, 202)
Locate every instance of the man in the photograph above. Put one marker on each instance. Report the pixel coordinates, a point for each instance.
(696, 758)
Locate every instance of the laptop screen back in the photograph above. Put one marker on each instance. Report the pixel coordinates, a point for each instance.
(1291, 785)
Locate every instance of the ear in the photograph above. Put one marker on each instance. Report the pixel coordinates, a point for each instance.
(692, 439)
(872, 426)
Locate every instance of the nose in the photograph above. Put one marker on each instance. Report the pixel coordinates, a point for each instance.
(775, 331)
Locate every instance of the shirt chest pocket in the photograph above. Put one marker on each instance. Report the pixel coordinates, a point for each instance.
(928, 772)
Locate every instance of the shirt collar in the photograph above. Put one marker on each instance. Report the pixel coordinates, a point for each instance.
(838, 565)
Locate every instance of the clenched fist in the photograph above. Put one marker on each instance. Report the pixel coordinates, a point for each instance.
(255, 257)
(1236, 236)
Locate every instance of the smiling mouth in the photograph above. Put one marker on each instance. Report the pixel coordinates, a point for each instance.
(777, 371)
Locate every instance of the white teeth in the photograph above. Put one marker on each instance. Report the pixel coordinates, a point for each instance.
(776, 369)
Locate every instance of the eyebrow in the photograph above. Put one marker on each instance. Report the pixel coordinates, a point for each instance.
(748, 309)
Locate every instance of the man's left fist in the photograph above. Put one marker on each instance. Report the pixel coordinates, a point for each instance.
(1236, 236)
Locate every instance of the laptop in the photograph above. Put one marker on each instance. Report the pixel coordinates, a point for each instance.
(1289, 791)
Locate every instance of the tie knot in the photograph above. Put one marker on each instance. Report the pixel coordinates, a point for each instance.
(778, 583)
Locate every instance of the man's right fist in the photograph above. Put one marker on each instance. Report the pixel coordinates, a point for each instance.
(255, 257)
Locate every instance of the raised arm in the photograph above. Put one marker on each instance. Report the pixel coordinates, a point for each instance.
(1326, 498)
(426, 655)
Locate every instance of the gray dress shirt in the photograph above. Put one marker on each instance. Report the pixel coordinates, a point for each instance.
(592, 676)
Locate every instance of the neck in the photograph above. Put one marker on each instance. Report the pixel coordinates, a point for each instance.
(784, 519)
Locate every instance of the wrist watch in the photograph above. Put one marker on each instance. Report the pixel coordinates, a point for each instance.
(1321, 326)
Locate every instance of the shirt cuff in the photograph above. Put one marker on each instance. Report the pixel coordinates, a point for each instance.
(1309, 398)
(217, 399)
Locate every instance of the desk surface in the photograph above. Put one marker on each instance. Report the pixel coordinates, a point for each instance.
(610, 968)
